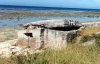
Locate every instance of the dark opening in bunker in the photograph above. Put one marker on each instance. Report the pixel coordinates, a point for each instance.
(29, 34)
(68, 28)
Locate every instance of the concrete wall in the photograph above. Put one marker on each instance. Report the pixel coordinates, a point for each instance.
(43, 38)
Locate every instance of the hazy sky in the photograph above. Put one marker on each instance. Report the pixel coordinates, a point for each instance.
(55, 3)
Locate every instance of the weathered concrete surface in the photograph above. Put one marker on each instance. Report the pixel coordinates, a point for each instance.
(49, 38)
(50, 33)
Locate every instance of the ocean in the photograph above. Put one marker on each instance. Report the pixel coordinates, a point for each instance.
(15, 15)
(12, 7)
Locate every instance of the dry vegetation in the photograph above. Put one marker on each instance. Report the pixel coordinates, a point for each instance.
(89, 31)
(87, 34)
(73, 54)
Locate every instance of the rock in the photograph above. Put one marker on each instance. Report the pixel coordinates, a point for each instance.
(7, 50)
(91, 24)
(89, 43)
(99, 55)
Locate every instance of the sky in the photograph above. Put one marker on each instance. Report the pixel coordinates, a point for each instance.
(95, 4)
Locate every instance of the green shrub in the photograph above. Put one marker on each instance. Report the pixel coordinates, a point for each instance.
(74, 40)
(97, 38)
(29, 59)
(85, 39)
(41, 61)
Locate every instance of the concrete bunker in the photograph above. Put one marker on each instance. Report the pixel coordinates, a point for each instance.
(50, 33)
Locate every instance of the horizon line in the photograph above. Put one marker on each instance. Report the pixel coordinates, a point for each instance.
(48, 7)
